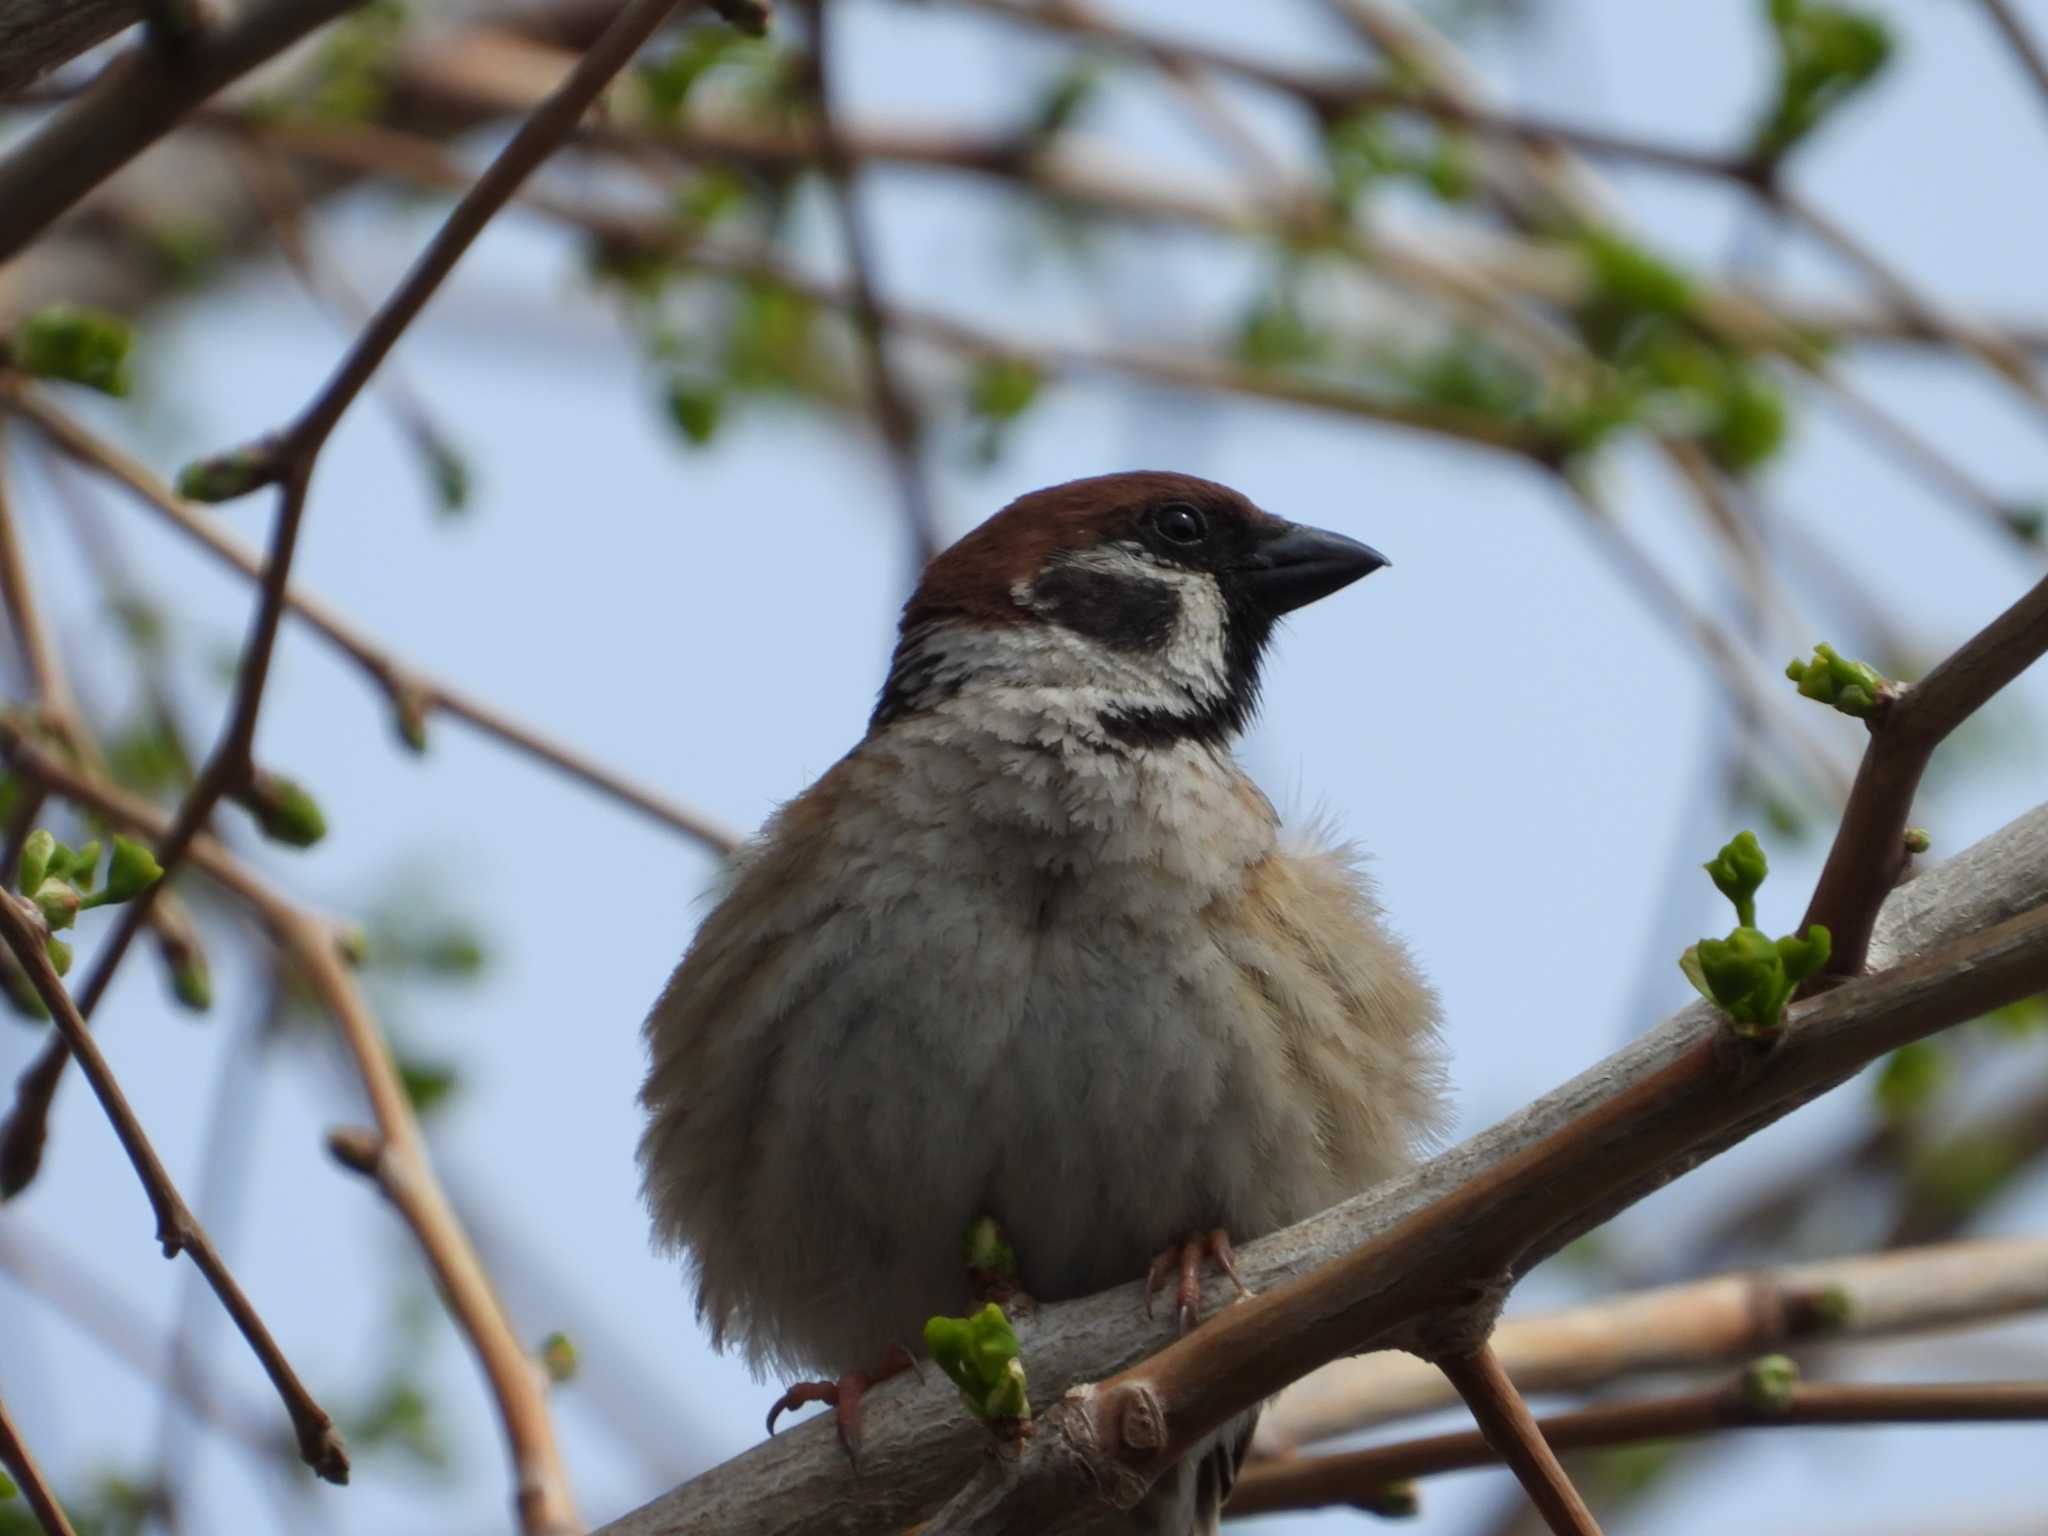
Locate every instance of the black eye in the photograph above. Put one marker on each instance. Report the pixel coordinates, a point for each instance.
(1179, 523)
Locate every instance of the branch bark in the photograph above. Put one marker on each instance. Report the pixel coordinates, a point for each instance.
(38, 35)
(136, 100)
(1357, 1477)
(1715, 1321)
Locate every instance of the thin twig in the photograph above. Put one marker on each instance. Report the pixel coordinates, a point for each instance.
(2024, 45)
(311, 945)
(1309, 1482)
(1507, 1426)
(893, 413)
(176, 1227)
(14, 1455)
(415, 696)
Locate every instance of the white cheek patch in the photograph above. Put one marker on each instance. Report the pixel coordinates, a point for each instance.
(1192, 665)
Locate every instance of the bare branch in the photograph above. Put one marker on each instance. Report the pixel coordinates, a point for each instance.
(310, 945)
(1310, 1482)
(38, 35)
(2026, 48)
(1715, 1321)
(176, 1227)
(1508, 1428)
(136, 100)
(14, 1455)
(891, 406)
(415, 696)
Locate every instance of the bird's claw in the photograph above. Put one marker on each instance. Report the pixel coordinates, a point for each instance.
(1186, 1258)
(845, 1396)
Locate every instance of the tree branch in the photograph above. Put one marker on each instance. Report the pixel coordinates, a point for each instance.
(1869, 852)
(14, 1455)
(38, 35)
(1504, 1199)
(176, 1227)
(1508, 1428)
(415, 696)
(2026, 48)
(136, 100)
(309, 944)
(1715, 1321)
(1310, 1482)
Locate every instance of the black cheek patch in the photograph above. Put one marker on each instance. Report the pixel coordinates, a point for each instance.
(1123, 612)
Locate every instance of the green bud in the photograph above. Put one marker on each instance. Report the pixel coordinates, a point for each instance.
(1395, 1501)
(2028, 524)
(428, 1084)
(225, 476)
(1834, 680)
(988, 1251)
(1832, 1308)
(284, 811)
(1918, 840)
(58, 900)
(1767, 1384)
(192, 982)
(353, 944)
(77, 343)
(695, 409)
(449, 472)
(1737, 871)
(36, 852)
(60, 955)
(558, 1357)
(981, 1357)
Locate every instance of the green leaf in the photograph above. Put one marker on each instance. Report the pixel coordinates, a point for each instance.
(988, 1250)
(21, 993)
(77, 343)
(981, 1357)
(131, 871)
(1003, 388)
(7, 1488)
(1826, 54)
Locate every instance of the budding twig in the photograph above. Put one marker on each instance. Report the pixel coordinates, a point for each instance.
(15, 1457)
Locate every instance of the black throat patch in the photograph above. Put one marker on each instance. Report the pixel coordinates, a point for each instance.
(1123, 610)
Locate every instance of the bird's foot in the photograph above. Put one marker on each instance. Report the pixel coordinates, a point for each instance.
(844, 1395)
(1187, 1257)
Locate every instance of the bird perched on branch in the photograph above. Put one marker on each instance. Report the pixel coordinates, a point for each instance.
(1036, 949)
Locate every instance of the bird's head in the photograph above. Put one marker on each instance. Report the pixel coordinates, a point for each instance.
(1134, 608)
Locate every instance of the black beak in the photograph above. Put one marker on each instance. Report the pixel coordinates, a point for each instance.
(1297, 565)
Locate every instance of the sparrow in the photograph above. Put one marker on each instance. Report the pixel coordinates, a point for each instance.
(1037, 949)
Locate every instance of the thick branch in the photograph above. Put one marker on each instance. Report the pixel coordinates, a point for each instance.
(1672, 1097)
(38, 35)
(1310, 1482)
